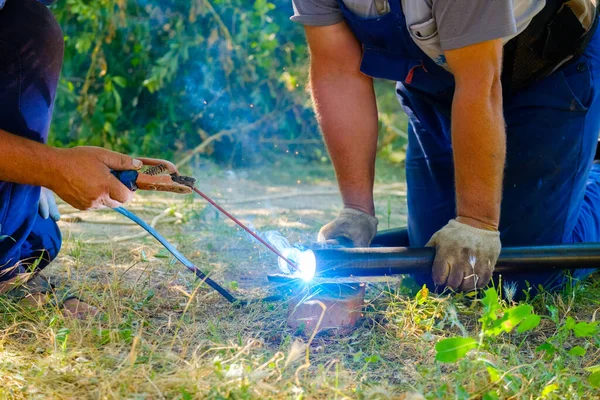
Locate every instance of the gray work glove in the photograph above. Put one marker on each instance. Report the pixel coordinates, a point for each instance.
(465, 256)
(47, 206)
(357, 226)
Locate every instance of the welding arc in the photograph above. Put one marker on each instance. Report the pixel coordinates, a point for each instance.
(244, 227)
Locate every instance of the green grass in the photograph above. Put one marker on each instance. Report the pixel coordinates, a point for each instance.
(161, 335)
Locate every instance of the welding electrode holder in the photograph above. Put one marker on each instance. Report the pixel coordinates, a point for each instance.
(127, 178)
(156, 178)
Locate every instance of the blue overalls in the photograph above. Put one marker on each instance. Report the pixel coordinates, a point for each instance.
(551, 192)
(31, 51)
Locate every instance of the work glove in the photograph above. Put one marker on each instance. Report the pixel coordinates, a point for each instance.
(356, 226)
(47, 205)
(465, 256)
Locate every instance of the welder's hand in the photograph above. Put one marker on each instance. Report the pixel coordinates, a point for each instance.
(357, 226)
(465, 256)
(83, 177)
(47, 205)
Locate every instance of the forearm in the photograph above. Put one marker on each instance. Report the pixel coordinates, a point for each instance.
(347, 112)
(479, 145)
(26, 161)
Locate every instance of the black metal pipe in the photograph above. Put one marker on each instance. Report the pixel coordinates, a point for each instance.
(397, 237)
(345, 262)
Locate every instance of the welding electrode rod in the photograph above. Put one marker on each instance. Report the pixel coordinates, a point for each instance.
(244, 227)
(345, 262)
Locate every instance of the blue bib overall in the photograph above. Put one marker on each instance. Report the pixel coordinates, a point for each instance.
(551, 193)
(31, 50)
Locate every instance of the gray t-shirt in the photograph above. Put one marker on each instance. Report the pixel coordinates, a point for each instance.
(434, 25)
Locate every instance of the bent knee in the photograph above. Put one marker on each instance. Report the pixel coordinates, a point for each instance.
(30, 27)
(45, 48)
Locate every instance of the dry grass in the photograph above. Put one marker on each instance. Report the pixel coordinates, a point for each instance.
(162, 335)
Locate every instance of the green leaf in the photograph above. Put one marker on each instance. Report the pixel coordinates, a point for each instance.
(83, 44)
(119, 81)
(185, 395)
(126, 335)
(511, 318)
(441, 392)
(453, 349)
(577, 351)
(490, 396)
(593, 368)
(118, 101)
(547, 347)
(570, 323)
(372, 359)
(62, 335)
(553, 314)
(549, 389)
(494, 374)
(529, 322)
(585, 329)
(422, 295)
(490, 303)
(462, 393)
(594, 379)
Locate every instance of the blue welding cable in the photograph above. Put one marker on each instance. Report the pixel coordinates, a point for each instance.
(182, 259)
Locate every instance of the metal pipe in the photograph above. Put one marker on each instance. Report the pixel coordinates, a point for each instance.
(345, 262)
(397, 237)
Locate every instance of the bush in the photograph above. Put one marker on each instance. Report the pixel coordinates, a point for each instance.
(161, 78)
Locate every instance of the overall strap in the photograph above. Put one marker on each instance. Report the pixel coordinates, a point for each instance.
(395, 6)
